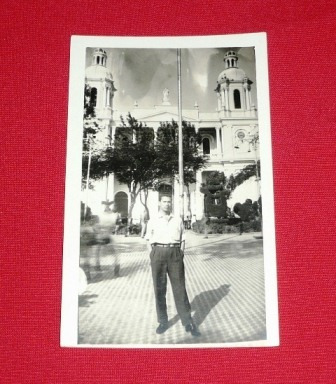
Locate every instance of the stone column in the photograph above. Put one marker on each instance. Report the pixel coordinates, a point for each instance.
(199, 203)
(109, 187)
(219, 103)
(111, 182)
(223, 150)
(101, 96)
(223, 96)
(226, 98)
(218, 142)
(247, 98)
(108, 97)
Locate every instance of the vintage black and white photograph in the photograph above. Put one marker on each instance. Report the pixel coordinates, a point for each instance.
(169, 236)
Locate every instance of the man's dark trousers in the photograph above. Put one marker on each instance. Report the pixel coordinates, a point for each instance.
(169, 261)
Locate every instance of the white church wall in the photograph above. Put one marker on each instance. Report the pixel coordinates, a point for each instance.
(152, 204)
(248, 190)
(94, 197)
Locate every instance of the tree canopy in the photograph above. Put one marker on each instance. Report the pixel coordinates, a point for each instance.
(141, 161)
(243, 175)
(90, 129)
(166, 147)
(216, 194)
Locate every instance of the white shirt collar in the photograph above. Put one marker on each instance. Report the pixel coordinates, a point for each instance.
(161, 215)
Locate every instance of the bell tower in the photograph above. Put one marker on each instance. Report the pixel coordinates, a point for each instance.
(231, 60)
(234, 89)
(99, 57)
(237, 114)
(100, 80)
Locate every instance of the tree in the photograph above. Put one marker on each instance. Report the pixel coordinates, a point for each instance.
(89, 104)
(141, 162)
(247, 172)
(216, 194)
(251, 169)
(90, 129)
(246, 211)
(90, 122)
(167, 150)
(132, 159)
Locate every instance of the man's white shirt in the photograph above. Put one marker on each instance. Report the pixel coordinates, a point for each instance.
(165, 229)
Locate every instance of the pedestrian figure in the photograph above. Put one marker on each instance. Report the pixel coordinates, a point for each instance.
(143, 221)
(166, 241)
(107, 226)
(187, 220)
(110, 220)
(89, 245)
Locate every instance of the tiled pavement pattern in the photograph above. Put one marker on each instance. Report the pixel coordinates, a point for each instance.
(225, 284)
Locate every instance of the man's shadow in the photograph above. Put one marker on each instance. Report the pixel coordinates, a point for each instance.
(203, 304)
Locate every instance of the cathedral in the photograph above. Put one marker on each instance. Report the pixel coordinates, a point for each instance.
(228, 134)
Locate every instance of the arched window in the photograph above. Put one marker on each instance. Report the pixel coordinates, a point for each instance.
(236, 97)
(232, 62)
(121, 203)
(98, 60)
(93, 97)
(206, 146)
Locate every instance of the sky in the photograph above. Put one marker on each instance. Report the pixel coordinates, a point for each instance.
(142, 74)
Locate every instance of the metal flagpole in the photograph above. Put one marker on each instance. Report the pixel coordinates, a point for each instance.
(180, 147)
(107, 187)
(87, 178)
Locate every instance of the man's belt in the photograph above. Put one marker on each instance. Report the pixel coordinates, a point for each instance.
(166, 245)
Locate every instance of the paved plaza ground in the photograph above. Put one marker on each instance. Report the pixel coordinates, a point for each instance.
(225, 284)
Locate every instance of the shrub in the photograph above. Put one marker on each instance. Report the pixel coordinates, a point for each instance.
(198, 226)
(247, 211)
(253, 226)
(223, 226)
(134, 229)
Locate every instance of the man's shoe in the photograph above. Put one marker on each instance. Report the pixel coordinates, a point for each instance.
(161, 328)
(192, 329)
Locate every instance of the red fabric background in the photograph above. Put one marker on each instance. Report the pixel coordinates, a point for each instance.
(35, 43)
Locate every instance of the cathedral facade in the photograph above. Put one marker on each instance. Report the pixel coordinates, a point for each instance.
(228, 134)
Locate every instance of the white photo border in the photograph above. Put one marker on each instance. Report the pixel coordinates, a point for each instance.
(79, 44)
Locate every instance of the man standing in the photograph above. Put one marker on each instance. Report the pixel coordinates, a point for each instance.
(166, 242)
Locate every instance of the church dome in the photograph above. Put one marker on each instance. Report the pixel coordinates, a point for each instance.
(98, 72)
(98, 69)
(232, 74)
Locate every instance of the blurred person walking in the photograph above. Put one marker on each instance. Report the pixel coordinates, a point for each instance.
(144, 221)
(89, 245)
(108, 225)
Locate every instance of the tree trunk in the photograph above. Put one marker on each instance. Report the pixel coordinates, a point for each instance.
(144, 202)
(133, 193)
(188, 201)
